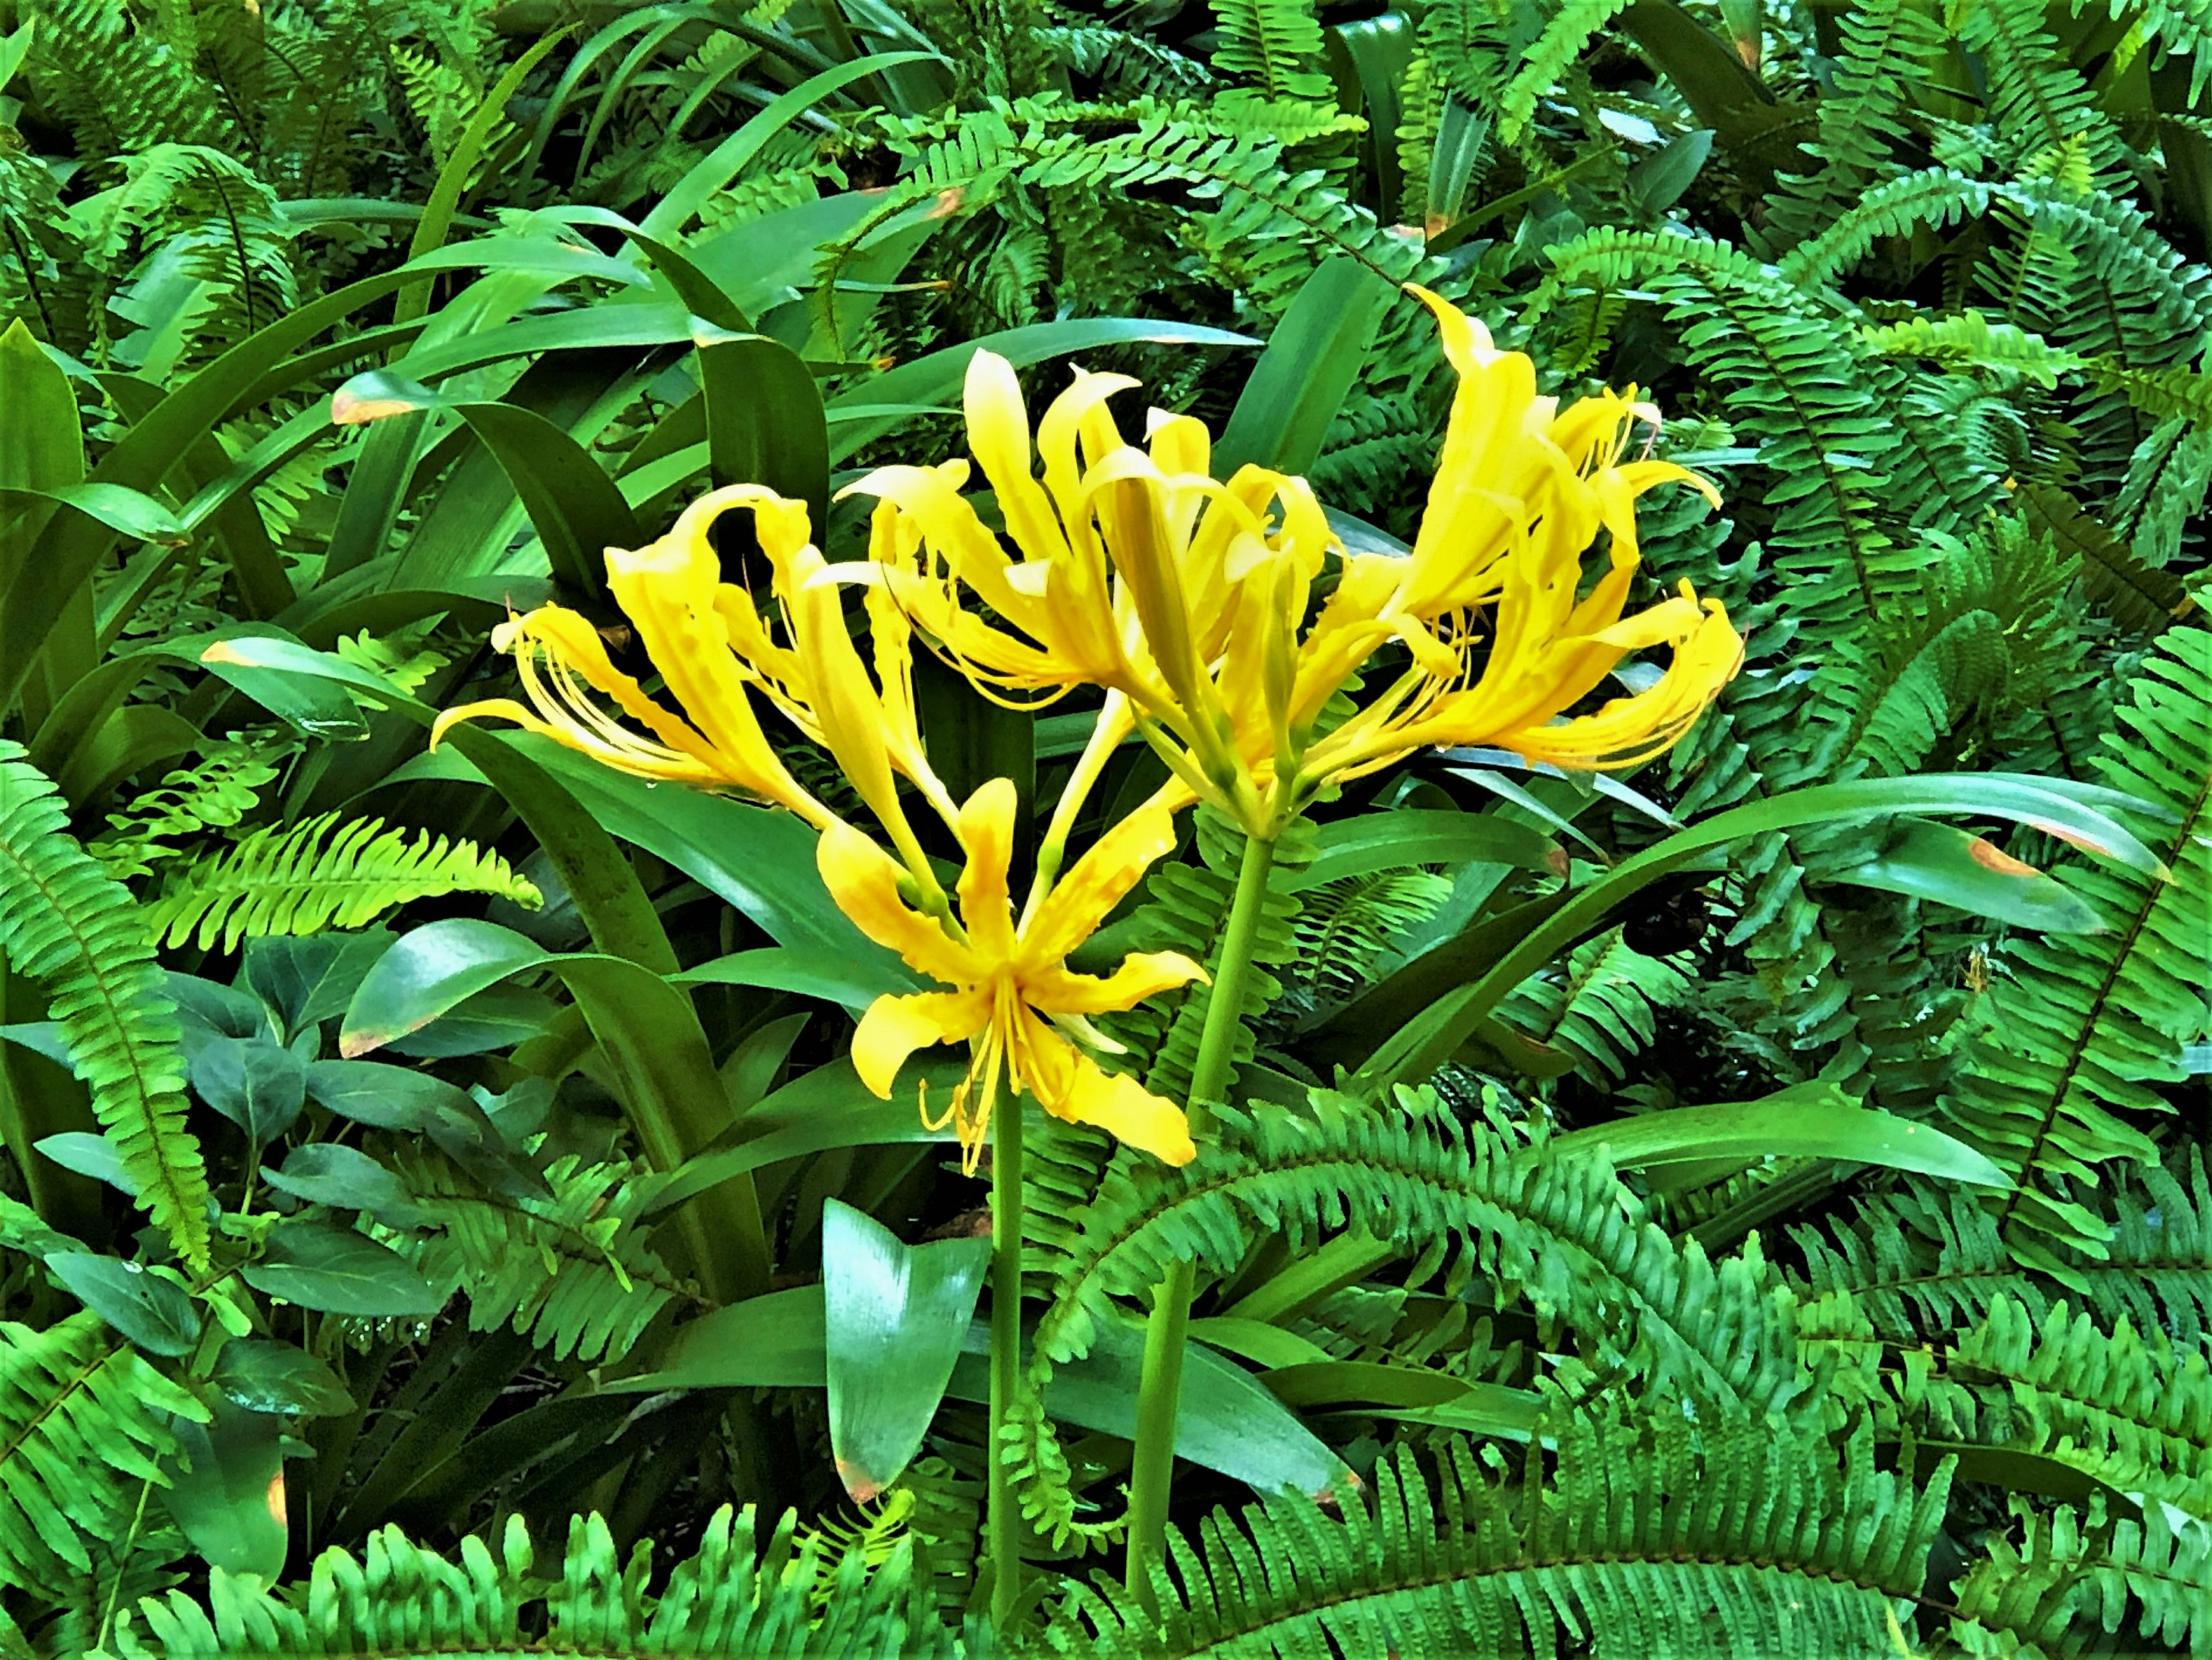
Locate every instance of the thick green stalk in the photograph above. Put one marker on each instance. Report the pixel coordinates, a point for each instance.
(1159, 1389)
(1005, 1510)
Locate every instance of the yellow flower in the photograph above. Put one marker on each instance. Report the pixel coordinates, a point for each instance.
(1133, 573)
(714, 651)
(1013, 999)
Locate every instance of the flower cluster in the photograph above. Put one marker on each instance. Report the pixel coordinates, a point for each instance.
(1190, 603)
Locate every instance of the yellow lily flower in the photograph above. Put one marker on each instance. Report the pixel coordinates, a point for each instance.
(1132, 569)
(714, 651)
(1014, 1000)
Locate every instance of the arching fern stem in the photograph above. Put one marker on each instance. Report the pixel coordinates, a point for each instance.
(1159, 1387)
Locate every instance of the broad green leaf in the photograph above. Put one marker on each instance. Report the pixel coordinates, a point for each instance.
(431, 969)
(1302, 378)
(575, 506)
(828, 1108)
(264, 1375)
(771, 1342)
(1391, 841)
(89, 1155)
(258, 1086)
(764, 421)
(147, 1305)
(128, 512)
(307, 979)
(227, 1490)
(1229, 1421)
(346, 1178)
(759, 859)
(329, 1268)
(496, 1018)
(1658, 181)
(1422, 1045)
(1261, 1342)
(1335, 1382)
(1806, 1121)
(1956, 867)
(779, 967)
(893, 1316)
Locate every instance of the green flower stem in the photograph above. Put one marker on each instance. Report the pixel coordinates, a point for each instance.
(1005, 1510)
(1159, 1389)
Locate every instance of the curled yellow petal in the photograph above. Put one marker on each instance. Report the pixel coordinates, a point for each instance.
(897, 1024)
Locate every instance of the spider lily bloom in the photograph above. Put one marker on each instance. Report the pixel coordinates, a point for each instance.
(714, 651)
(1012, 999)
(1548, 653)
(1132, 571)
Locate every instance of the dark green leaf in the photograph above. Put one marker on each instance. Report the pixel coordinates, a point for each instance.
(764, 421)
(346, 1178)
(1390, 841)
(258, 1086)
(322, 1264)
(227, 1492)
(1956, 867)
(262, 1375)
(1301, 380)
(147, 1305)
(306, 981)
(893, 1316)
(1808, 1121)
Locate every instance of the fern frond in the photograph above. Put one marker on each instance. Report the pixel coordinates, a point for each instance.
(2129, 1409)
(1562, 1233)
(1919, 1263)
(68, 925)
(216, 791)
(1601, 1008)
(1669, 1539)
(1274, 45)
(321, 874)
(84, 1425)
(2086, 1022)
(573, 1272)
(2073, 1580)
(1566, 32)
(739, 1595)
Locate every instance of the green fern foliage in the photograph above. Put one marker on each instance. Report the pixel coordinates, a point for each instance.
(2086, 1022)
(1561, 1233)
(1601, 1009)
(217, 791)
(84, 1425)
(740, 1595)
(323, 873)
(573, 1270)
(76, 932)
(2076, 1584)
(1666, 1538)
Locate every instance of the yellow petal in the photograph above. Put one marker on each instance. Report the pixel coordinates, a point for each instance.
(986, 833)
(863, 880)
(895, 1026)
(998, 438)
(641, 761)
(572, 648)
(1058, 431)
(1142, 975)
(1071, 1085)
(1072, 912)
(668, 591)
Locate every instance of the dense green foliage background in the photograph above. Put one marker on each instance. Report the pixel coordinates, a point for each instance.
(1811, 1255)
